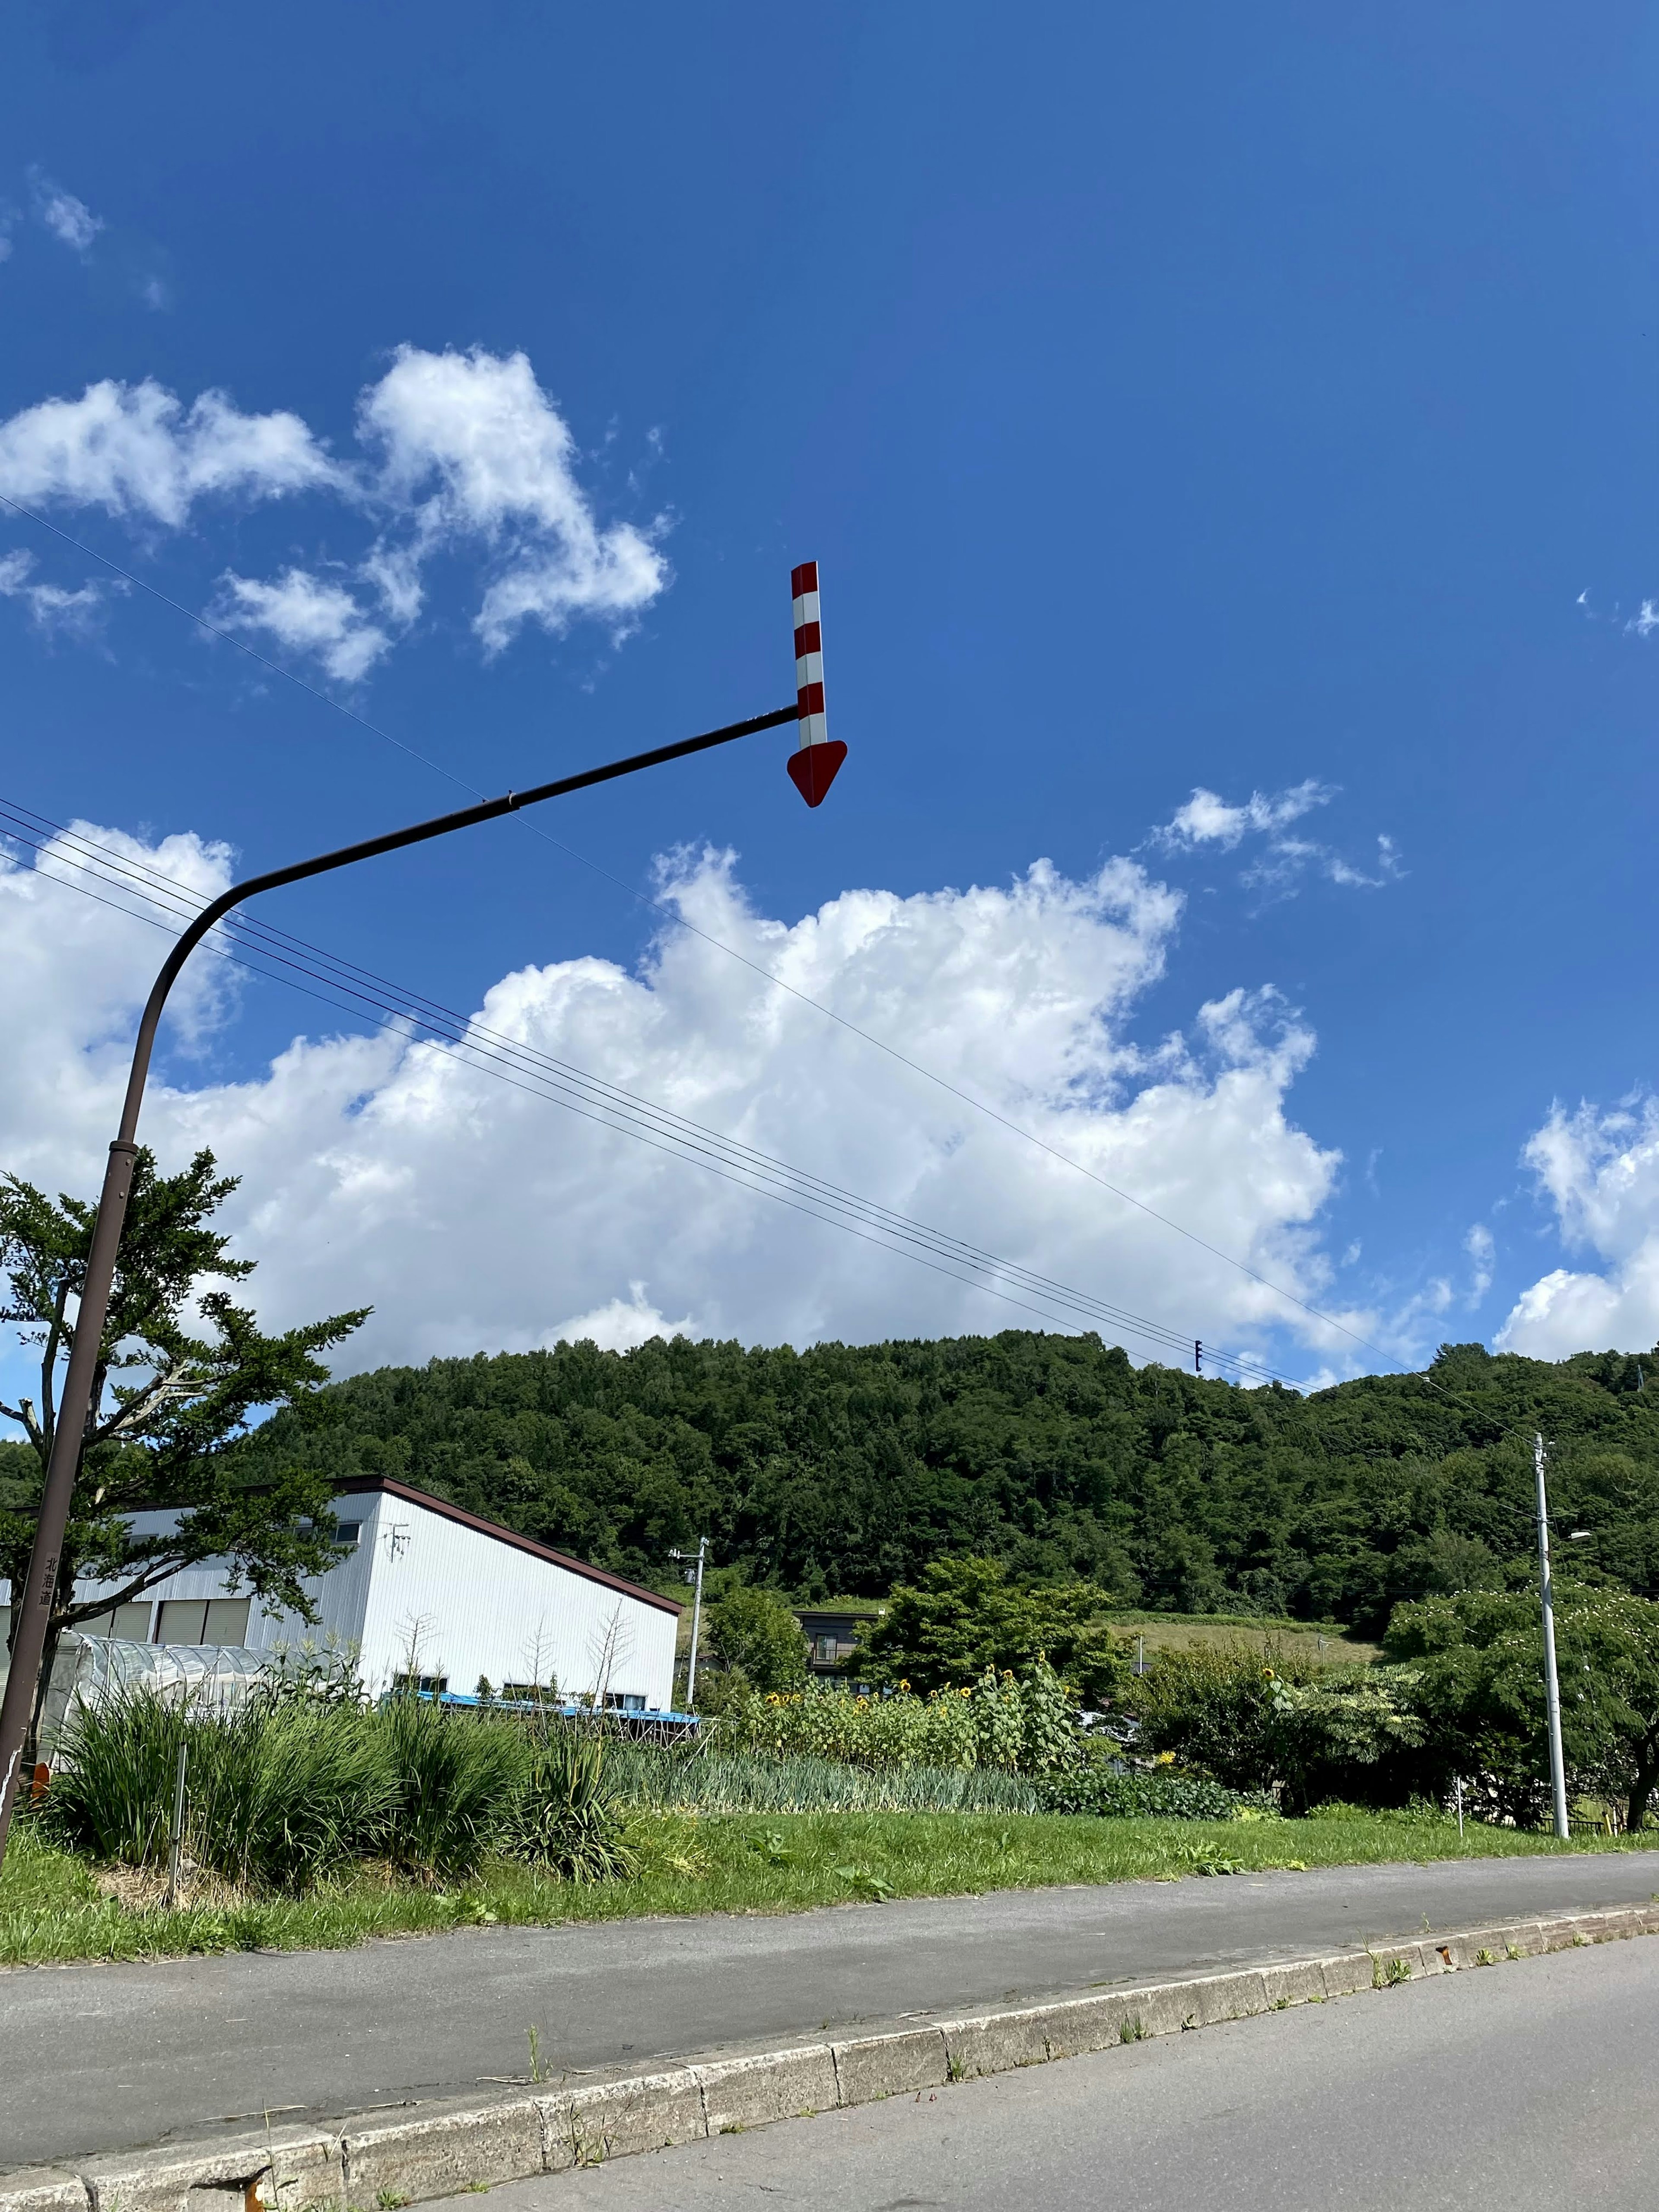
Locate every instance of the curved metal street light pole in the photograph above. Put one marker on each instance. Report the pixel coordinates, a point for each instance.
(33, 1602)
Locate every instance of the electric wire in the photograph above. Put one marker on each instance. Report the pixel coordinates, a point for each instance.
(978, 1105)
(359, 992)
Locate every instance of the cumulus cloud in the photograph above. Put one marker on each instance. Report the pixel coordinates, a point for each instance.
(308, 615)
(472, 1214)
(462, 452)
(619, 1324)
(474, 445)
(1598, 1170)
(135, 450)
(70, 221)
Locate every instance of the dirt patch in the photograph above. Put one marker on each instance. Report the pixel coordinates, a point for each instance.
(142, 1889)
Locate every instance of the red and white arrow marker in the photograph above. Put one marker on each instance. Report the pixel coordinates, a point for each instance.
(813, 763)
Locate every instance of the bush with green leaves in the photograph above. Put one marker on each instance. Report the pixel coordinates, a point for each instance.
(1137, 1795)
(452, 1779)
(288, 1789)
(1281, 1722)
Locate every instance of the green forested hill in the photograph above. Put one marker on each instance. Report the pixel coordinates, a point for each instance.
(846, 1468)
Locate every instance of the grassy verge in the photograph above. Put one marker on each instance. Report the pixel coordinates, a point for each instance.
(51, 1909)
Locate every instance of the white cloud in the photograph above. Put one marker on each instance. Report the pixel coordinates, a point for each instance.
(70, 221)
(619, 1324)
(474, 445)
(134, 449)
(1600, 1170)
(50, 604)
(1209, 819)
(465, 454)
(474, 1215)
(302, 613)
(1646, 620)
(1481, 1250)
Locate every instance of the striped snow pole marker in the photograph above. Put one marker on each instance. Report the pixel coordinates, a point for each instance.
(813, 763)
(809, 655)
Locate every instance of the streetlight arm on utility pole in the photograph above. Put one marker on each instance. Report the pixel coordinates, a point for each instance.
(33, 1603)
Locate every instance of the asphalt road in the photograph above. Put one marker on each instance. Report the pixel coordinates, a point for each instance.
(1530, 2086)
(108, 2058)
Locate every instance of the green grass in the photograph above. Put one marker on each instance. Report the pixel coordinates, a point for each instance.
(657, 1779)
(51, 1910)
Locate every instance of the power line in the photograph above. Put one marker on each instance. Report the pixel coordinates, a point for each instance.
(363, 995)
(978, 1105)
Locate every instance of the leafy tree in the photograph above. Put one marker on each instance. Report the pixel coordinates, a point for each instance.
(1479, 1659)
(965, 1615)
(752, 1632)
(181, 1369)
(1255, 1721)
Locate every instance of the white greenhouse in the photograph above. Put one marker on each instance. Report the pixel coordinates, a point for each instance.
(424, 1590)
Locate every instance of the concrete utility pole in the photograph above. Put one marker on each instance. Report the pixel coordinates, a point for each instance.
(811, 769)
(699, 1555)
(1551, 1680)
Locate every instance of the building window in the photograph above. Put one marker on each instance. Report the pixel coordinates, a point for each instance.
(530, 1693)
(426, 1686)
(131, 1623)
(347, 1535)
(218, 1621)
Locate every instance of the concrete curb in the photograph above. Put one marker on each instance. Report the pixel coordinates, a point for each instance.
(441, 2148)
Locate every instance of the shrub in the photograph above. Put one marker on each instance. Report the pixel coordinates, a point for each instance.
(112, 1788)
(1136, 1795)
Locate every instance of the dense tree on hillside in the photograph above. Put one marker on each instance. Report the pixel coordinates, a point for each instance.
(848, 1468)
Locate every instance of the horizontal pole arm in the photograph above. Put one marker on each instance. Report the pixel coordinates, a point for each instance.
(418, 833)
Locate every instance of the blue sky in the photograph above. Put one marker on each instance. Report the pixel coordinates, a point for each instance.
(1249, 405)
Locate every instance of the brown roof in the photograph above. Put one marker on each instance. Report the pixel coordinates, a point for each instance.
(394, 1488)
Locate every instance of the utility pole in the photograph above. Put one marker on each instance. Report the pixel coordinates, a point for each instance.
(811, 769)
(700, 1554)
(1551, 1680)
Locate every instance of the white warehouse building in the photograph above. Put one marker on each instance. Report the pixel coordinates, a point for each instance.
(422, 1588)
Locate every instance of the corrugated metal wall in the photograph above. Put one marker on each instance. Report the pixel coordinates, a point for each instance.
(464, 1604)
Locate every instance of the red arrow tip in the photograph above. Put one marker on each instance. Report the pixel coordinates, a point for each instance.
(812, 768)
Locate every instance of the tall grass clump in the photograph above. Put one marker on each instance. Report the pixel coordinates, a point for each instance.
(288, 1791)
(453, 1784)
(566, 1815)
(284, 1795)
(112, 1793)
